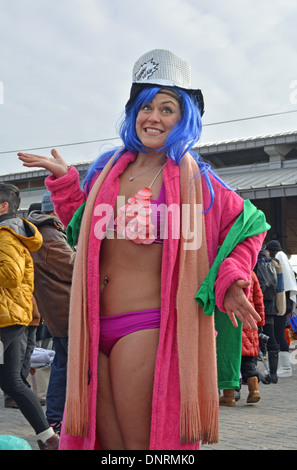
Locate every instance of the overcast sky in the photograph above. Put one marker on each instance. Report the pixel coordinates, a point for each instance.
(66, 67)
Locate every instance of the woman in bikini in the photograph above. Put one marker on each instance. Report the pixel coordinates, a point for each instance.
(135, 379)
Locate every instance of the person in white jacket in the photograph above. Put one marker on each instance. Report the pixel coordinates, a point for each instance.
(290, 286)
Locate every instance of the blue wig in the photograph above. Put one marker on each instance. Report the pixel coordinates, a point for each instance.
(184, 135)
(182, 138)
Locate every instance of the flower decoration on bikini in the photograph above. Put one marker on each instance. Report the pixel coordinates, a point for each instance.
(134, 219)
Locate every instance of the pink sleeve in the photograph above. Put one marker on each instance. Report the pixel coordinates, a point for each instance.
(242, 259)
(238, 265)
(66, 194)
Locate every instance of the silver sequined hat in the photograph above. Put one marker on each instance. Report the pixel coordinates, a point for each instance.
(162, 67)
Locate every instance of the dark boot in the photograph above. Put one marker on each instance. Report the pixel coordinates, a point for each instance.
(50, 444)
(264, 378)
(273, 362)
(237, 394)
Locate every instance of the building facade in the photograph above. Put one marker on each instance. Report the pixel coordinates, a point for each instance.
(262, 169)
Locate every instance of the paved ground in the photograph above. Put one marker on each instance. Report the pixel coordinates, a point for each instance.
(270, 424)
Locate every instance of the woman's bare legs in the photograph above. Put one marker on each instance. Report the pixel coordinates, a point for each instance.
(125, 388)
(108, 430)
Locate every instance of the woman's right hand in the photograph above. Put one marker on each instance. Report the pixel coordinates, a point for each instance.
(57, 166)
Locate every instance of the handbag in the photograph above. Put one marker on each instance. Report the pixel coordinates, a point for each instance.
(267, 276)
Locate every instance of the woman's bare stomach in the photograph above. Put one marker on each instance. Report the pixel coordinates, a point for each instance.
(130, 277)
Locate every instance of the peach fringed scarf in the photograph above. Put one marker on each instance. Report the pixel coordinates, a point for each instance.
(195, 331)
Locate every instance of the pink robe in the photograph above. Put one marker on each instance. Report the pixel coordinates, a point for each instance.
(67, 197)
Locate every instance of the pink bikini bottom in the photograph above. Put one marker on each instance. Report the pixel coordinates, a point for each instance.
(115, 327)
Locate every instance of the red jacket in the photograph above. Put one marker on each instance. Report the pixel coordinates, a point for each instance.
(250, 338)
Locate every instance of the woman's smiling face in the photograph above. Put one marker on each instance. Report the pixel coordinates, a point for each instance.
(156, 119)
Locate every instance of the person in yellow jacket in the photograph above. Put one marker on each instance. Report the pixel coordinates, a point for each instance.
(17, 237)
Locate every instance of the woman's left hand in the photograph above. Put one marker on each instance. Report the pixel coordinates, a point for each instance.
(237, 305)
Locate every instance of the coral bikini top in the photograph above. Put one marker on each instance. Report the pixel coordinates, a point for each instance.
(142, 219)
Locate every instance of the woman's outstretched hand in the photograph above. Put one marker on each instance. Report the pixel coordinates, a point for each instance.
(237, 305)
(56, 165)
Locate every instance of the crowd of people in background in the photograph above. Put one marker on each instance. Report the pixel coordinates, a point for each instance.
(272, 294)
(153, 325)
(19, 238)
